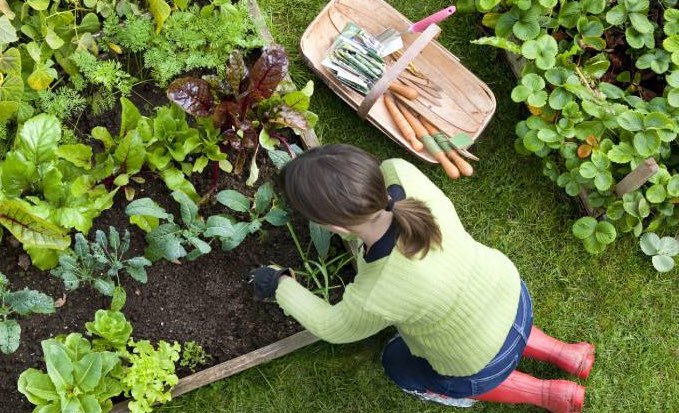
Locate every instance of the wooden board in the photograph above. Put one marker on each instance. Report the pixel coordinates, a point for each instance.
(468, 104)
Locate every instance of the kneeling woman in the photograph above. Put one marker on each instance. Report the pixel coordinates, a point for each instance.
(463, 315)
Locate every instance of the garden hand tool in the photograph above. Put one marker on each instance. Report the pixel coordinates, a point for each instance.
(429, 143)
(402, 123)
(391, 38)
(442, 140)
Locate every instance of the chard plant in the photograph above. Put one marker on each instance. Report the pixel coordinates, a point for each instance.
(85, 376)
(18, 303)
(47, 189)
(249, 105)
(100, 262)
(601, 83)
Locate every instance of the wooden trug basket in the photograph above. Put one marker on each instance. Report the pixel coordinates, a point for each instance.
(467, 105)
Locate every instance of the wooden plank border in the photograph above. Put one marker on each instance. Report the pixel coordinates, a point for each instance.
(272, 351)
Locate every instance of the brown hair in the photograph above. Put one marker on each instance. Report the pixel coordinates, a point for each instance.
(343, 185)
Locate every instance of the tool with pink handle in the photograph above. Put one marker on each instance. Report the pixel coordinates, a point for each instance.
(391, 38)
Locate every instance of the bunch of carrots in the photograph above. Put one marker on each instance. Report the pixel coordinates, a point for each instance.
(422, 135)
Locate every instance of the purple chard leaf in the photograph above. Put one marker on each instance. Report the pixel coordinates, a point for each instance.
(236, 73)
(193, 95)
(268, 71)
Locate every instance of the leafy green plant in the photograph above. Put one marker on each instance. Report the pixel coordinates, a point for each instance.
(47, 188)
(248, 105)
(84, 376)
(662, 250)
(166, 143)
(260, 209)
(78, 379)
(100, 262)
(601, 82)
(193, 355)
(197, 38)
(151, 374)
(170, 240)
(18, 303)
(107, 77)
(112, 328)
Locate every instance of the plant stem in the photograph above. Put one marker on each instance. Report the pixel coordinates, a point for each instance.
(307, 267)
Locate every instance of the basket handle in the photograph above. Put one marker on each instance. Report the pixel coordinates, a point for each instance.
(390, 75)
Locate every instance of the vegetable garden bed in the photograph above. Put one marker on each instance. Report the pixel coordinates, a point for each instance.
(207, 300)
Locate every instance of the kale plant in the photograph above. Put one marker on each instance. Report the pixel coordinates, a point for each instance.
(170, 240)
(100, 262)
(13, 303)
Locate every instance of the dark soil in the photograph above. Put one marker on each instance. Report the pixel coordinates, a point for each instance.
(207, 301)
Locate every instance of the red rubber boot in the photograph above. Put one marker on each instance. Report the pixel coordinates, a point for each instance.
(576, 359)
(557, 396)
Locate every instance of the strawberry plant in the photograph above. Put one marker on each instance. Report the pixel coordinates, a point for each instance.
(601, 82)
(13, 303)
(661, 250)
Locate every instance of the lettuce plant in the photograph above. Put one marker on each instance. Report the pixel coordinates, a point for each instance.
(12, 303)
(151, 375)
(78, 378)
(112, 329)
(84, 376)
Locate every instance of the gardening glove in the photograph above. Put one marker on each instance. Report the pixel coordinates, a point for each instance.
(265, 280)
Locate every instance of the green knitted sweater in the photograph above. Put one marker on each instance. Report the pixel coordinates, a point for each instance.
(454, 307)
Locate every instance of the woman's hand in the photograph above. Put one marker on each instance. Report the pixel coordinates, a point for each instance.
(265, 280)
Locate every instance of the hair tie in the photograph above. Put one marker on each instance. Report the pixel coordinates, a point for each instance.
(390, 205)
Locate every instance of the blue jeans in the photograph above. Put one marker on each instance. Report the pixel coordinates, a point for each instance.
(415, 375)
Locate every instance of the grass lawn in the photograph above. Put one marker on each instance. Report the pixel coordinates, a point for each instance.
(616, 301)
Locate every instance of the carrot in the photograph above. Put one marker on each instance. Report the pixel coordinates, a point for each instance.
(405, 91)
(401, 123)
(463, 166)
(429, 143)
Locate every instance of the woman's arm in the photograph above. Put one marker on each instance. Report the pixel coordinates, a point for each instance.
(344, 322)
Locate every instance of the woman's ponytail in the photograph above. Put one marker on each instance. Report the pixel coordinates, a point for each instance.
(418, 230)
